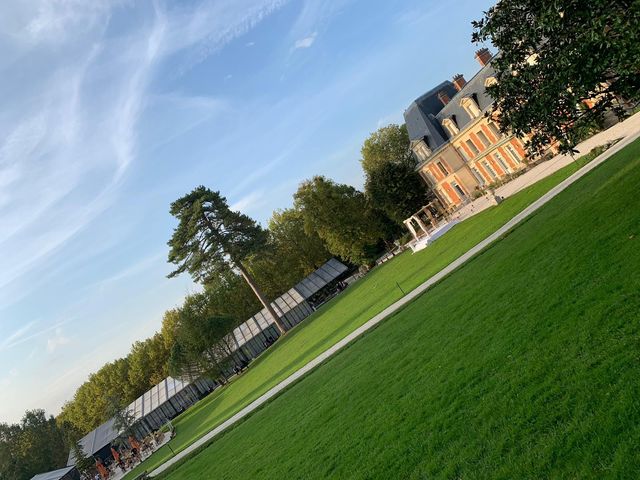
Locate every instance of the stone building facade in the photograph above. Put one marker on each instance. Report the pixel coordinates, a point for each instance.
(459, 149)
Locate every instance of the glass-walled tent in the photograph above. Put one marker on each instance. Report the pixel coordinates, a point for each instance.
(166, 401)
(66, 473)
(255, 335)
(150, 411)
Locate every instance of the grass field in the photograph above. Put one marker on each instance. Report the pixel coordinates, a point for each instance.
(525, 363)
(343, 315)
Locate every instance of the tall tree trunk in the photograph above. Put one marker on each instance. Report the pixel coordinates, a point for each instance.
(252, 283)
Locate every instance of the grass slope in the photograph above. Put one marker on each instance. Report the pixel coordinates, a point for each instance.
(338, 318)
(525, 363)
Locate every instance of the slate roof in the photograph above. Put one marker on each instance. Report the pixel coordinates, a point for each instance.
(473, 88)
(420, 116)
(424, 116)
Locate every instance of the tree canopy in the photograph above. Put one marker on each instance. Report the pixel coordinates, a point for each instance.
(556, 57)
(211, 239)
(391, 182)
(342, 218)
(385, 145)
(396, 189)
(293, 253)
(37, 444)
(202, 347)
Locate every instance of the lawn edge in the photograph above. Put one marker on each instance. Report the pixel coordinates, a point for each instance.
(393, 308)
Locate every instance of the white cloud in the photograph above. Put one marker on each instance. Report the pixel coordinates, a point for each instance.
(79, 128)
(305, 42)
(56, 341)
(16, 336)
(248, 202)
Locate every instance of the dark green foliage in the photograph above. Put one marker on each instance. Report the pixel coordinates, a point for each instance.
(341, 216)
(84, 463)
(229, 295)
(201, 347)
(582, 50)
(392, 184)
(124, 378)
(293, 253)
(37, 444)
(211, 238)
(123, 418)
(521, 364)
(388, 144)
(396, 189)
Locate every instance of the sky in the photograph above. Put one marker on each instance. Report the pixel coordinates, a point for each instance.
(112, 109)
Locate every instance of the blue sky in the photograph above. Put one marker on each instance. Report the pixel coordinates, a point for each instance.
(112, 109)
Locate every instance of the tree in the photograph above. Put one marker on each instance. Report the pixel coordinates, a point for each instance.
(385, 145)
(169, 326)
(555, 57)
(37, 444)
(203, 345)
(123, 419)
(229, 295)
(342, 218)
(392, 184)
(292, 254)
(211, 238)
(148, 363)
(83, 463)
(397, 190)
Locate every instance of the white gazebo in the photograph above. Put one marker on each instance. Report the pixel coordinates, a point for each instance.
(426, 225)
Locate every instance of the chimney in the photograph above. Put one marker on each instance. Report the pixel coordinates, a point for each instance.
(483, 56)
(459, 81)
(444, 97)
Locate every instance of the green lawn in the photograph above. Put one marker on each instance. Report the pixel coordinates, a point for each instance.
(524, 363)
(343, 315)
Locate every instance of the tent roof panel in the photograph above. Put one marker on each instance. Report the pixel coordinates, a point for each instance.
(53, 475)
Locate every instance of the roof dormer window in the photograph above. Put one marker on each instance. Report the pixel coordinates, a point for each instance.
(450, 125)
(421, 149)
(490, 81)
(470, 106)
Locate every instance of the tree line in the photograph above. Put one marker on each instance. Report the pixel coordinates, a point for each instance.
(211, 242)
(553, 57)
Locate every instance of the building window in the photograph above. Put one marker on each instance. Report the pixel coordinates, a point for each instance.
(423, 151)
(459, 190)
(478, 176)
(451, 126)
(472, 147)
(512, 153)
(494, 129)
(490, 170)
(490, 81)
(462, 153)
(483, 138)
(471, 107)
(501, 161)
(442, 168)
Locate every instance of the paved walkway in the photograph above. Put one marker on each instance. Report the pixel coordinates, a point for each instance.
(402, 302)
